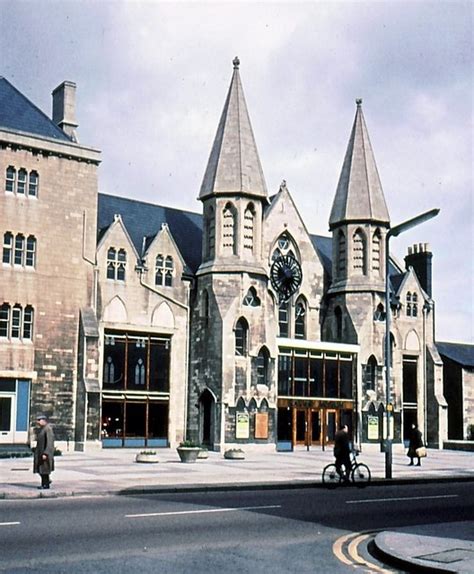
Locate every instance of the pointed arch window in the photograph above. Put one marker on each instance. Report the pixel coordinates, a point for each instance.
(109, 371)
(28, 318)
(30, 259)
(241, 337)
(359, 253)
(338, 320)
(5, 320)
(116, 264)
(19, 249)
(408, 304)
(300, 319)
(249, 224)
(16, 322)
(276, 254)
(210, 234)
(376, 251)
(412, 304)
(341, 254)
(371, 374)
(229, 229)
(283, 320)
(263, 361)
(164, 268)
(140, 372)
(33, 183)
(379, 314)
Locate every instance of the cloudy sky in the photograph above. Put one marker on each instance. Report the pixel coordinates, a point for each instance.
(152, 78)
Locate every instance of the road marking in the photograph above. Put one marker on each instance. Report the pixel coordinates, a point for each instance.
(401, 498)
(9, 523)
(337, 548)
(203, 511)
(353, 558)
(352, 550)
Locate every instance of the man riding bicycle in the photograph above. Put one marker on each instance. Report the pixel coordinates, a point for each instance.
(342, 452)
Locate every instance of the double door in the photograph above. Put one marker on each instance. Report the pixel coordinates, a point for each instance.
(314, 426)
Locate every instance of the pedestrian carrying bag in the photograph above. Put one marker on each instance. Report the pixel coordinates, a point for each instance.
(421, 452)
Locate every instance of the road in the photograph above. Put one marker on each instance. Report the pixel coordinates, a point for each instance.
(296, 530)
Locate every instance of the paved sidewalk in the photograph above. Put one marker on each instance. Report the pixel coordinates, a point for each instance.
(116, 472)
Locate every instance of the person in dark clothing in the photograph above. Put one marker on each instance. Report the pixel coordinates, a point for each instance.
(43, 463)
(416, 441)
(342, 452)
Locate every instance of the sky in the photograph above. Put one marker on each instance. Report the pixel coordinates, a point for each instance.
(152, 78)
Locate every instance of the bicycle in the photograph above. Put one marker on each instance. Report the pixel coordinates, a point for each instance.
(359, 473)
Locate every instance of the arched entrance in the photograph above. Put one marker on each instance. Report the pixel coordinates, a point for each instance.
(206, 418)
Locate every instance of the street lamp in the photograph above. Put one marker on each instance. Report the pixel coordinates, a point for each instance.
(394, 232)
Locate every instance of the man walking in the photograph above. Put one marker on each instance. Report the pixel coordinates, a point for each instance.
(44, 452)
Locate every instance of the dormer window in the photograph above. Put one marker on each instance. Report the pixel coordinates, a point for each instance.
(116, 264)
(412, 304)
(164, 268)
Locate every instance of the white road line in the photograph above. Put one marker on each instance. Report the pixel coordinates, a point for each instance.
(9, 523)
(401, 498)
(203, 511)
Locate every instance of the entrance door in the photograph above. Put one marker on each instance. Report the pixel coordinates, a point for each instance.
(6, 418)
(300, 425)
(306, 427)
(316, 426)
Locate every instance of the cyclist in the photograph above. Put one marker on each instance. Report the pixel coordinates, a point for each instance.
(342, 452)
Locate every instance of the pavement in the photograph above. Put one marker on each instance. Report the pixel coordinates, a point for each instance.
(115, 472)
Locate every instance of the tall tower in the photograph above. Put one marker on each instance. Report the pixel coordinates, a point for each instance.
(230, 363)
(359, 222)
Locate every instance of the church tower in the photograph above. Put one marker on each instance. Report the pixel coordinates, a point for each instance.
(359, 222)
(231, 363)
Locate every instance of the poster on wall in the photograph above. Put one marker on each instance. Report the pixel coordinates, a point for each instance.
(372, 427)
(242, 425)
(261, 425)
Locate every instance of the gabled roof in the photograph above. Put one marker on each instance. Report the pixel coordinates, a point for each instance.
(144, 220)
(19, 114)
(458, 352)
(359, 196)
(234, 165)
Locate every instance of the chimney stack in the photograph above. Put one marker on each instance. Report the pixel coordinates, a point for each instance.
(64, 108)
(419, 257)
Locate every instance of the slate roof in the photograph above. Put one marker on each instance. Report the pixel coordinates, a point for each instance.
(457, 352)
(359, 195)
(323, 246)
(143, 219)
(234, 165)
(19, 114)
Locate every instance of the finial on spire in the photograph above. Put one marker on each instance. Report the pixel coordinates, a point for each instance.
(236, 63)
(359, 102)
(283, 184)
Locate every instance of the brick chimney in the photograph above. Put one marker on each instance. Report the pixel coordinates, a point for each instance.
(419, 257)
(64, 108)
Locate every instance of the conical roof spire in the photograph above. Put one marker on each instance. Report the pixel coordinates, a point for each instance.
(234, 165)
(359, 195)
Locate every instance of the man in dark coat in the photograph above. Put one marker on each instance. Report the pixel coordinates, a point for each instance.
(342, 452)
(416, 441)
(44, 453)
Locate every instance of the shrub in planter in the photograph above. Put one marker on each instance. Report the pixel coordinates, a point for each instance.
(234, 454)
(188, 451)
(147, 456)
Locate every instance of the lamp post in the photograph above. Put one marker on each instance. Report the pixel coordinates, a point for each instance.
(394, 232)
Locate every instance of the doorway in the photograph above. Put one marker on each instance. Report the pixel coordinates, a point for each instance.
(206, 411)
(331, 425)
(306, 426)
(6, 418)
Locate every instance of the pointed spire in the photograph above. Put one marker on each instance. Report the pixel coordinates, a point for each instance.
(359, 195)
(234, 165)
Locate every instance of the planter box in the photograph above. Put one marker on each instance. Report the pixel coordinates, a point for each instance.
(234, 454)
(146, 458)
(188, 453)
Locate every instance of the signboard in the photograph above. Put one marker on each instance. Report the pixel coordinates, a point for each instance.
(242, 425)
(372, 427)
(261, 425)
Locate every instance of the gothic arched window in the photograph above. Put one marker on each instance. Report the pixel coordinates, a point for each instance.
(359, 253)
(249, 224)
(263, 360)
(283, 320)
(371, 374)
(210, 234)
(376, 250)
(229, 228)
(341, 254)
(241, 337)
(300, 319)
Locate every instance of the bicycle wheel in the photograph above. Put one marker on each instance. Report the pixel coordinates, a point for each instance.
(331, 477)
(360, 474)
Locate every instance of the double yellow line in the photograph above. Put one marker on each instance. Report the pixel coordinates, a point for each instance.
(345, 549)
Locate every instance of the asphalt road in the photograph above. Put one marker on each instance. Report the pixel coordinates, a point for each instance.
(252, 531)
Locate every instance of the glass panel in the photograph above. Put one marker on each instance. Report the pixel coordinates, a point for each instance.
(409, 381)
(33, 185)
(10, 179)
(331, 378)
(112, 419)
(4, 320)
(284, 375)
(160, 365)
(136, 363)
(114, 362)
(28, 323)
(16, 322)
(19, 249)
(283, 320)
(158, 420)
(7, 247)
(30, 251)
(21, 185)
(331, 426)
(316, 377)
(135, 419)
(345, 374)
(315, 426)
(301, 376)
(5, 414)
(300, 426)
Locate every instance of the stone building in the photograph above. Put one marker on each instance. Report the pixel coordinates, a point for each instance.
(134, 324)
